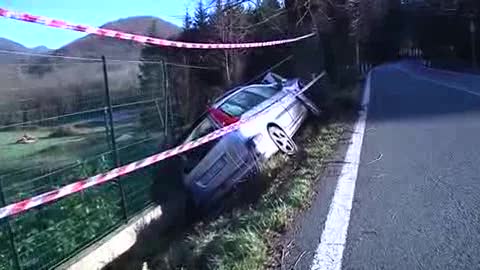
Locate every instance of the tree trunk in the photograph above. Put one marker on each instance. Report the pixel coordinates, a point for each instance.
(227, 67)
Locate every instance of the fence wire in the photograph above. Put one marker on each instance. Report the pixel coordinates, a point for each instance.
(58, 125)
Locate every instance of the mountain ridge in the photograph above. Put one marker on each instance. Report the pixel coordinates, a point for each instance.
(23, 71)
(96, 46)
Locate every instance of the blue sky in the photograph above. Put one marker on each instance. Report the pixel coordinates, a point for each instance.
(89, 12)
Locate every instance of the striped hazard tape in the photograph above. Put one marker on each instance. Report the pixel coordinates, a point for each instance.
(78, 186)
(139, 38)
(64, 191)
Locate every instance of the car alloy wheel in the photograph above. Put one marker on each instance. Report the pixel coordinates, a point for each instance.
(282, 140)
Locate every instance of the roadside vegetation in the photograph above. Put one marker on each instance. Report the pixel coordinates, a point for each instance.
(241, 233)
(243, 236)
(240, 238)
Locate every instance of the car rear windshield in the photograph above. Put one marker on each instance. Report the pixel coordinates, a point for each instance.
(205, 127)
(193, 156)
(247, 99)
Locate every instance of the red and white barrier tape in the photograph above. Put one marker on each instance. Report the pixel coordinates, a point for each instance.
(44, 198)
(78, 186)
(139, 38)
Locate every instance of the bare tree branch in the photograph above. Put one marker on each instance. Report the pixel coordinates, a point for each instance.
(268, 19)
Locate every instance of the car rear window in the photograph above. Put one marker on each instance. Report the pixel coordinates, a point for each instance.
(205, 127)
(247, 99)
(193, 156)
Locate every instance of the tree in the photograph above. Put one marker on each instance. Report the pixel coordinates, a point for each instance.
(187, 21)
(364, 15)
(270, 5)
(200, 21)
(228, 24)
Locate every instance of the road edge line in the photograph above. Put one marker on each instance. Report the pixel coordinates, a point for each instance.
(329, 252)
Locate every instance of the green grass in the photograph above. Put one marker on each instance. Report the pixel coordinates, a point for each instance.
(242, 239)
(53, 150)
(46, 235)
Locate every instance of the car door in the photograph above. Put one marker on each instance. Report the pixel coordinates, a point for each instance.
(290, 102)
(296, 109)
(261, 105)
(273, 109)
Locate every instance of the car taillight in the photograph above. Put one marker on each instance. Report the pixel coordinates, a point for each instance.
(222, 117)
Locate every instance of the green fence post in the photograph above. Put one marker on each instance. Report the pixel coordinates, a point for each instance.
(16, 259)
(165, 100)
(107, 127)
(108, 104)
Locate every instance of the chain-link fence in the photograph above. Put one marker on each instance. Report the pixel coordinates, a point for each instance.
(64, 120)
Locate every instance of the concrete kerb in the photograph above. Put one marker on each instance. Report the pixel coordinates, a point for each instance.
(112, 246)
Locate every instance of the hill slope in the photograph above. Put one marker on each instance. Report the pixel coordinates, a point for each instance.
(35, 72)
(96, 46)
(9, 45)
(6, 44)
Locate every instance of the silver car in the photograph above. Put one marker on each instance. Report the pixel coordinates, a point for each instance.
(276, 111)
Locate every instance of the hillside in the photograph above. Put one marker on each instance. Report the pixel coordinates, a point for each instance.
(56, 74)
(9, 45)
(95, 46)
(6, 44)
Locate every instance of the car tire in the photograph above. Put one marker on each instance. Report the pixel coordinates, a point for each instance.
(281, 139)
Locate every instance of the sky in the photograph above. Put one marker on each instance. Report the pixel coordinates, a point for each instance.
(87, 12)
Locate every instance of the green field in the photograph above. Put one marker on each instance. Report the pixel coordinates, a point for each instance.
(26, 167)
(45, 236)
(15, 157)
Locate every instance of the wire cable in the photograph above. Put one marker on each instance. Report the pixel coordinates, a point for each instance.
(281, 12)
(91, 59)
(269, 69)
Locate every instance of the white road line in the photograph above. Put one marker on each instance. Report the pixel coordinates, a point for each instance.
(330, 250)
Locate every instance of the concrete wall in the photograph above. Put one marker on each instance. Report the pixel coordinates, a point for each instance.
(112, 246)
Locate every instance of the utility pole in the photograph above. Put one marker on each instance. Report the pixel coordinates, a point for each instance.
(473, 43)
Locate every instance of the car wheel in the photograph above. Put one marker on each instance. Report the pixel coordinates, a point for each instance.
(284, 143)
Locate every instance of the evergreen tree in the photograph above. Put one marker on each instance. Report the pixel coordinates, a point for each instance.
(187, 21)
(200, 21)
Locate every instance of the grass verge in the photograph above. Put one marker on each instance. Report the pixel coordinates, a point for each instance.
(241, 238)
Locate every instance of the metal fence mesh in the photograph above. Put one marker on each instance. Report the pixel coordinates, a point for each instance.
(55, 133)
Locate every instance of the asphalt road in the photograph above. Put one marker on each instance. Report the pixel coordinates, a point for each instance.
(417, 197)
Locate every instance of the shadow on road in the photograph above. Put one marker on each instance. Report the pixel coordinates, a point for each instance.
(409, 91)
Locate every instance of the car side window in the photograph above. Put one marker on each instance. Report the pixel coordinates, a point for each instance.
(241, 102)
(265, 91)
